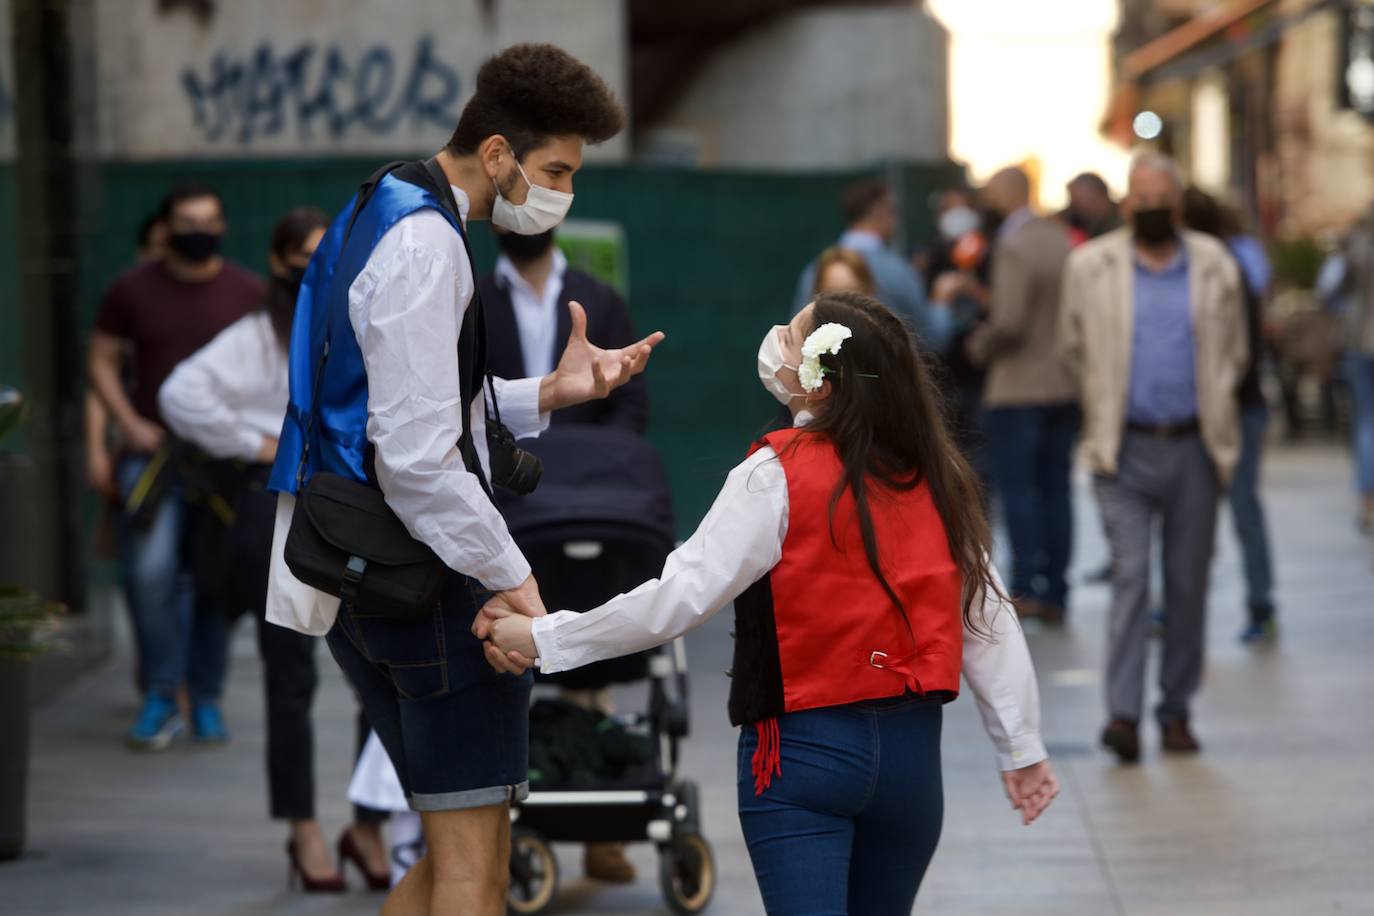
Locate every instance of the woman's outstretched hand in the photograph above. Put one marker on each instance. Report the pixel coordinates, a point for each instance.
(586, 372)
(507, 630)
(1031, 789)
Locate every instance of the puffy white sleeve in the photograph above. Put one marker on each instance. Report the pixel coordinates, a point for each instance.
(998, 670)
(736, 544)
(406, 309)
(198, 398)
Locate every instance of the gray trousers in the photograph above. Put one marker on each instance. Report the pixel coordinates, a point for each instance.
(1174, 481)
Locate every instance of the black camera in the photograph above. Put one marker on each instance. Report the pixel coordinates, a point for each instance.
(512, 468)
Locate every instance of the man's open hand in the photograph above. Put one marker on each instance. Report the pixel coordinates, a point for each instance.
(586, 372)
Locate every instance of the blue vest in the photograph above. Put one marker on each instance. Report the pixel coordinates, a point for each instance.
(326, 429)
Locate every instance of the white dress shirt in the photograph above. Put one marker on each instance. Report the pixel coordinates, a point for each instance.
(738, 543)
(406, 307)
(229, 396)
(536, 314)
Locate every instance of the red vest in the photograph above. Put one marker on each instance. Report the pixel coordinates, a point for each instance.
(838, 637)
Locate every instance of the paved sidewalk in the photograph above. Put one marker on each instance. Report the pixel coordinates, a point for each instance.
(1276, 817)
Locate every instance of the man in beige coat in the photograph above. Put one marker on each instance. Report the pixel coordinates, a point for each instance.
(1031, 418)
(1153, 328)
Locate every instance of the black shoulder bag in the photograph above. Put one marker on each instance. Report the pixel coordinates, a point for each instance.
(344, 539)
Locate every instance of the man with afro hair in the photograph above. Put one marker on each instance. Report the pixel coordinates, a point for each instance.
(400, 404)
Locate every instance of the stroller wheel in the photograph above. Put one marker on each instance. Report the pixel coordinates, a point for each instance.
(533, 873)
(687, 872)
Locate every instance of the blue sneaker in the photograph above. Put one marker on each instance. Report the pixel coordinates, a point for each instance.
(208, 725)
(1260, 633)
(158, 723)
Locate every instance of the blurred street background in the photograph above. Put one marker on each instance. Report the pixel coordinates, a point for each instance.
(749, 121)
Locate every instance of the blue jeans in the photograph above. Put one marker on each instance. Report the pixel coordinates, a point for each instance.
(850, 823)
(1359, 370)
(175, 643)
(1248, 512)
(1031, 452)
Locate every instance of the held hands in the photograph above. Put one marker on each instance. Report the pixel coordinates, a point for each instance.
(505, 625)
(1031, 789)
(586, 372)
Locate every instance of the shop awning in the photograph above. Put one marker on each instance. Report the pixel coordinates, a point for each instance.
(1215, 38)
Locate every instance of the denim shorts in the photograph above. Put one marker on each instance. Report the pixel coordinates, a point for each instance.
(457, 732)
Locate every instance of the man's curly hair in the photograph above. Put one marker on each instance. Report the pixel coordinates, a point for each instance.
(530, 93)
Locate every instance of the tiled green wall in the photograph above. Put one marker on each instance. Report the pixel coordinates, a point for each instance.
(714, 259)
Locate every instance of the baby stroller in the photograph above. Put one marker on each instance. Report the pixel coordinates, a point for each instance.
(599, 524)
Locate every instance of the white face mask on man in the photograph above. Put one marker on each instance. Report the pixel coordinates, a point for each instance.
(770, 361)
(543, 209)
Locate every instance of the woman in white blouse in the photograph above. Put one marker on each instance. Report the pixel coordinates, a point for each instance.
(854, 548)
(229, 399)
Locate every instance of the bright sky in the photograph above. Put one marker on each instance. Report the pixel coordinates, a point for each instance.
(1026, 84)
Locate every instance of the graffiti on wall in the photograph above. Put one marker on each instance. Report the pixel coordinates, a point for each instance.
(321, 92)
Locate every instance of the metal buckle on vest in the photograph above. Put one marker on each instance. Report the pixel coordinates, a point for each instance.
(873, 659)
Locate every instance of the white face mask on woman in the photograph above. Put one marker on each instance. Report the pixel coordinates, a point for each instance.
(957, 222)
(543, 209)
(770, 361)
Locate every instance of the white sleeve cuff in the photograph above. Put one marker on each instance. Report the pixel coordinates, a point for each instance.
(250, 445)
(1025, 751)
(552, 658)
(503, 572)
(518, 400)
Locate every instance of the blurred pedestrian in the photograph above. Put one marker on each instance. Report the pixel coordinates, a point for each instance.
(1031, 413)
(836, 541)
(100, 432)
(870, 215)
(1091, 211)
(1204, 213)
(525, 299)
(959, 272)
(839, 270)
(1356, 290)
(158, 314)
(229, 399)
(1157, 371)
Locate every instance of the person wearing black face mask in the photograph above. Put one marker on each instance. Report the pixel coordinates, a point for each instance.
(1157, 372)
(525, 298)
(153, 317)
(525, 301)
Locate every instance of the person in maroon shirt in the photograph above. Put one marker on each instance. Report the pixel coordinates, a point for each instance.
(156, 315)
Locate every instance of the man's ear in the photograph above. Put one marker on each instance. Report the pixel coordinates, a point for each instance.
(492, 153)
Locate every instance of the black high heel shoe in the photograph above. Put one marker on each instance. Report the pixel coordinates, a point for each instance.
(349, 852)
(296, 875)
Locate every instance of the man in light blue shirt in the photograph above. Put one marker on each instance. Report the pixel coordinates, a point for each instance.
(870, 213)
(1163, 385)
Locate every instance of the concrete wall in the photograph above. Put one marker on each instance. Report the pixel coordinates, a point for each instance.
(309, 77)
(1324, 151)
(818, 89)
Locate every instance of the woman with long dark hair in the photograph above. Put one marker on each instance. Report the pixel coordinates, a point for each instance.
(855, 549)
(229, 399)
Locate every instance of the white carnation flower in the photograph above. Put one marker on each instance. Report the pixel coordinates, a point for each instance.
(827, 338)
(811, 374)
